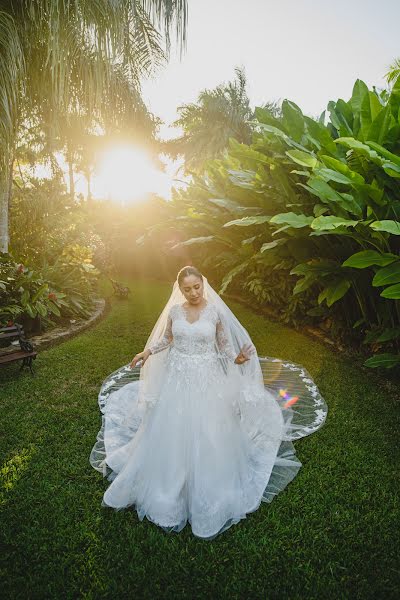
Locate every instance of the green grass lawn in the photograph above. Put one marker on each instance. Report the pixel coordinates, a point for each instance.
(332, 533)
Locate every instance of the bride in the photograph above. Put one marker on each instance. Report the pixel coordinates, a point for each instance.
(197, 427)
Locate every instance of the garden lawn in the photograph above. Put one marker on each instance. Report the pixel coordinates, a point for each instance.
(332, 533)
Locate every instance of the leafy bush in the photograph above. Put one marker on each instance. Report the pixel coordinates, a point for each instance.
(62, 290)
(317, 201)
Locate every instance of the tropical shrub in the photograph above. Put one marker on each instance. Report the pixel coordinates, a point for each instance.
(59, 291)
(317, 201)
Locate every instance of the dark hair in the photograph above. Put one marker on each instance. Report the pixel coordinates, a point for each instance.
(188, 270)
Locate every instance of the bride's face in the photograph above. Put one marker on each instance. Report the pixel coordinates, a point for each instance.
(192, 288)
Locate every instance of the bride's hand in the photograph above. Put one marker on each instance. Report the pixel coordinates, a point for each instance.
(141, 355)
(245, 353)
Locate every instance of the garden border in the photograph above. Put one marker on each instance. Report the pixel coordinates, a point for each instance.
(59, 334)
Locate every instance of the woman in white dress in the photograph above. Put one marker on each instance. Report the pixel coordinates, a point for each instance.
(198, 428)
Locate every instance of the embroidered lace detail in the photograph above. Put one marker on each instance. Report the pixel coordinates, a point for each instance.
(166, 339)
(202, 337)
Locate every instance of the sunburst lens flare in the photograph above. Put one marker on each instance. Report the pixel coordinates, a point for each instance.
(126, 174)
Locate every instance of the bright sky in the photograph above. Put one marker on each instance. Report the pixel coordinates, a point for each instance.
(309, 51)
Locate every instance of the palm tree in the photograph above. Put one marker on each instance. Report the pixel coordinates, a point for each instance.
(208, 124)
(76, 56)
(394, 72)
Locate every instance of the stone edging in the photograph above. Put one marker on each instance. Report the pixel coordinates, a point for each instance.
(60, 334)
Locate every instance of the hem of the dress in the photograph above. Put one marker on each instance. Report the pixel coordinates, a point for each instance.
(278, 479)
(284, 470)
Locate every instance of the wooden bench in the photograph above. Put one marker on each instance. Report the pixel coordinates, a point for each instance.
(119, 289)
(26, 353)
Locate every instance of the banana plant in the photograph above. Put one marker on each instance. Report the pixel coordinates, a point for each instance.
(313, 200)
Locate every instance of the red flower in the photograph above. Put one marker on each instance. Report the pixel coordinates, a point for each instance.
(10, 323)
(52, 296)
(20, 268)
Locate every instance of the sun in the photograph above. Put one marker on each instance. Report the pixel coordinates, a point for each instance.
(126, 174)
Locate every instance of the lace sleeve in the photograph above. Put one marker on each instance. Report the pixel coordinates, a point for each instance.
(223, 342)
(166, 339)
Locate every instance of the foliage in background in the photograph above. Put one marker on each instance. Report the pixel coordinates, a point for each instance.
(77, 60)
(218, 115)
(59, 291)
(317, 201)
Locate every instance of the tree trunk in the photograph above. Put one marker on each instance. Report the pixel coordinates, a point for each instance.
(6, 180)
(71, 179)
(4, 238)
(55, 167)
(89, 190)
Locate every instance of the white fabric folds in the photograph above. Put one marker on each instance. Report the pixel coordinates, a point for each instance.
(194, 437)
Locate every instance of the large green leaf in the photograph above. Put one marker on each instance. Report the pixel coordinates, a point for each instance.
(337, 290)
(303, 284)
(25, 297)
(40, 292)
(269, 245)
(340, 117)
(318, 268)
(322, 189)
(230, 205)
(370, 108)
(196, 240)
(245, 152)
(389, 334)
(391, 169)
(331, 222)
(42, 310)
(344, 202)
(242, 178)
(360, 91)
(279, 133)
(387, 275)
(332, 175)
(334, 292)
(394, 158)
(337, 165)
(247, 221)
(293, 119)
(387, 225)
(30, 310)
(304, 159)
(366, 258)
(54, 309)
(392, 292)
(354, 144)
(380, 126)
(232, 274)
(272, 129)
(394, 98)
(386, 360)
(292, 219)
(321, 133)
(264, 116)
(249, 240)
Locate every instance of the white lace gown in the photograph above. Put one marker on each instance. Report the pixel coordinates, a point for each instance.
(189, 458)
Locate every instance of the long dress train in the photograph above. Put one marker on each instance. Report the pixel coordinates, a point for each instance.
(199, 453)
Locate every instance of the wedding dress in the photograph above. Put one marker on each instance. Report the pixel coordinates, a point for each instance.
(201, 449)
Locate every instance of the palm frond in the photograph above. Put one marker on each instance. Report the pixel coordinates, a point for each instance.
(394, 72)
(12, 66)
